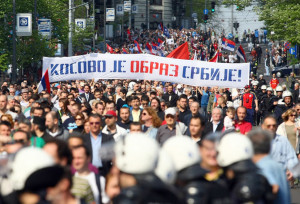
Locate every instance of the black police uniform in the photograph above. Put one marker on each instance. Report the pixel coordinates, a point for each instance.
(149, 189)
(196, 189)
(248, 186)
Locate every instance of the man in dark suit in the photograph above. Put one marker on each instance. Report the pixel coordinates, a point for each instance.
(295, 93)
(216, 124)
(170, 96)
(87, 95)
(96, 140)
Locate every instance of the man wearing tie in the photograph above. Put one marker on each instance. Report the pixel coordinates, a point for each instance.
(87, 95)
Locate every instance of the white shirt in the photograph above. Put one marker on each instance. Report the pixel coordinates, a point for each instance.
(92, 181)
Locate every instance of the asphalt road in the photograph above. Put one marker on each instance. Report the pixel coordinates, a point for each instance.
(295, 195)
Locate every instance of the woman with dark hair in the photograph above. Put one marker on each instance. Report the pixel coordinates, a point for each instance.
(150, 122)
(155, 104)
(64, 111)
(79, 120)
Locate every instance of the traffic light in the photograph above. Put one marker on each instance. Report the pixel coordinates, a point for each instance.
(213, 5)
(205, 18)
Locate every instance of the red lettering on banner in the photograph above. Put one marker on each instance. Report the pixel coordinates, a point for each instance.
(175, 71)
(144, 68)
(153, 65)
(135, 66)
(163, 67)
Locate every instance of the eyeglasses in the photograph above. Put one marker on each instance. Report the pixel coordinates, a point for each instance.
(94, 123)
(78, 118)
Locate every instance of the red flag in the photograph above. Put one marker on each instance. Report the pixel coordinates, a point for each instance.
(215, 57)
(182, 52)
(109, 49)
(124, 51)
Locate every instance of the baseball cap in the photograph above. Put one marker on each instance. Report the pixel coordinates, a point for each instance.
(247, 87)
(170, 111)
(111, 113)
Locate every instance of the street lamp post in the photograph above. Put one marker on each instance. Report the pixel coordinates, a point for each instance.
(70, 44)
(104, 26)
(14, 59)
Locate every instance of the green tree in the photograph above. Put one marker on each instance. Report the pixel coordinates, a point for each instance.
(282, 18)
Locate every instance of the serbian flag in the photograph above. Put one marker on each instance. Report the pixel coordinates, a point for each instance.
(124, 51)
(182, 52)
(161, 26)
(109, 49)
(241, 53)
(128, 34)
(215, 57)
(228, 44)
(44, 83)
(149, 48)
(160, 42)
(166, 32)
(137, 46)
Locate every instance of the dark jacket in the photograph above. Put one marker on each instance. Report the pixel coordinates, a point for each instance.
(204, 191)
(149, 189)
(279, 110)
(91, 97)
(209, 127)
(106, 164)
(174, 98)
(62, 134)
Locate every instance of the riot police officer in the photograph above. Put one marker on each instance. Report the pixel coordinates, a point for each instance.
(136, 157)
(246, 185)
(191, 178)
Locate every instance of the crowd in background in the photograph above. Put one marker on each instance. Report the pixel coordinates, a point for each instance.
(133, 141)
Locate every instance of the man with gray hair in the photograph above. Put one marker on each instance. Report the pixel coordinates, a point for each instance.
(3, 107)
(216, 123)
(261, 140)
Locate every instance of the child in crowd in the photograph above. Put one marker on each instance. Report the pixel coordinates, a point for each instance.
(229, 119)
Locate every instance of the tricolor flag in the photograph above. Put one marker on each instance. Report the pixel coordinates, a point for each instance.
(44, 83)
(241, 53)
(215, 57)
(109, 49)
(124, 51)
(149, 48)
(137, 46)
(166, 32)
(160, 43)
(160, 26)
(228, 44)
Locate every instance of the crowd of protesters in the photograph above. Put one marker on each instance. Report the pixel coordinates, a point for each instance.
(139, 141)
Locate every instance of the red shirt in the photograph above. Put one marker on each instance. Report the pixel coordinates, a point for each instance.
(274, 83)
(244, 127)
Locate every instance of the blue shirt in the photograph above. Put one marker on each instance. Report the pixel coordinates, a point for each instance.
(204, 98)
(275, 175)
(283, 152)
(96, 145)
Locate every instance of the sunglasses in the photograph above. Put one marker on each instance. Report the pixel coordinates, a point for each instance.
(268, 126)
(170, 116)
(94, 123)
(294, 115)
(108, 117)
(78, 118)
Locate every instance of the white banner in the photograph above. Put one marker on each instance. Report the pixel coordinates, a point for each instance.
(149, 67)
(24, 24)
